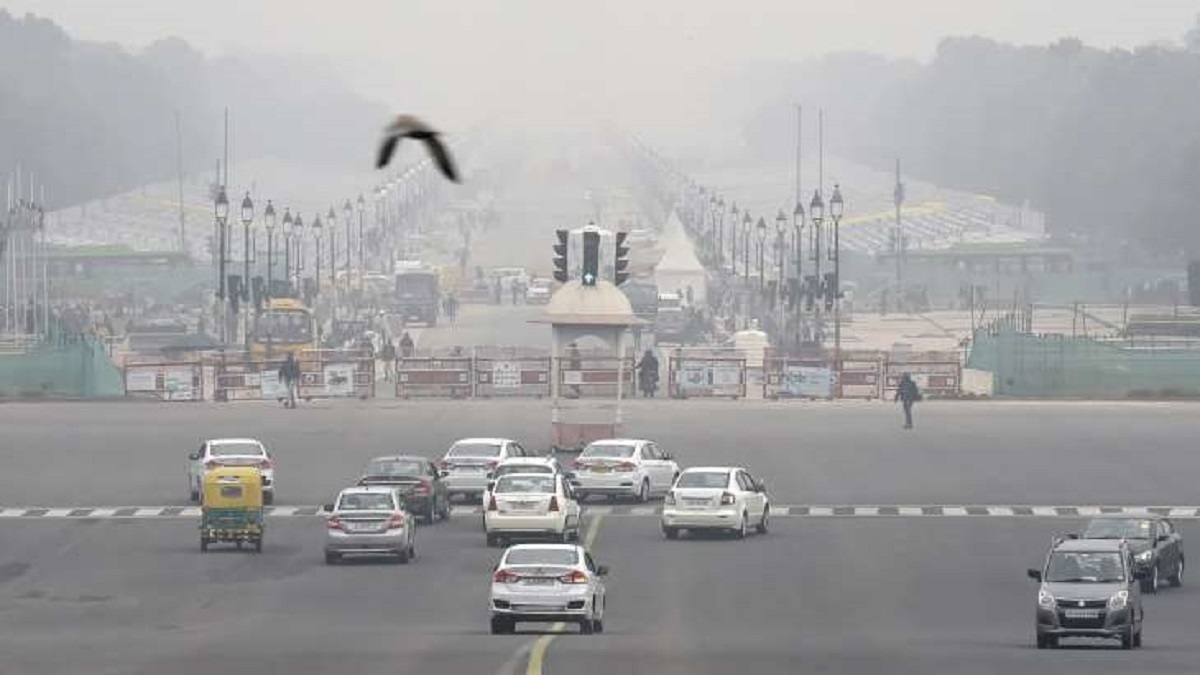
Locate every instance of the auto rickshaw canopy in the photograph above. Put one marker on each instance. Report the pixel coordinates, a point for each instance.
(231, 487)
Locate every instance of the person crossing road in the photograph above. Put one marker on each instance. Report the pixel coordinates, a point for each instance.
(907, 394)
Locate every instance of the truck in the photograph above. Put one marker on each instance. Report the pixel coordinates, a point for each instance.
(418, 295)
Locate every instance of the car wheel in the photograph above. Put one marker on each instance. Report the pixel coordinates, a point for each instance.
(671, 532)
(1127, 638)
(493, 541)
(643, 494)
(332, 558)
(402, 556)
(1177, 579)
(193, 495)
(258, 544)
(761, 528)
(430, 514)
(740, 533)
(269, 497)
(598, 625)
(1042, 641)
(204, 544)
(1137, 640)
(586, 627)
(445, 510)
(502, 626)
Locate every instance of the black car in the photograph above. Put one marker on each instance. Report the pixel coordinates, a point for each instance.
(420, 484)
(1156, 545)
(1088, 589)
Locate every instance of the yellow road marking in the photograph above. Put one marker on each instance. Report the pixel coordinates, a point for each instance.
(538, 653)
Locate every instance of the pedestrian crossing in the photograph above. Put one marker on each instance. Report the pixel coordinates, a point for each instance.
(798, 511)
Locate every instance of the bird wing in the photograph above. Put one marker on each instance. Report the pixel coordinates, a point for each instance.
(442, 157)
(386, 149)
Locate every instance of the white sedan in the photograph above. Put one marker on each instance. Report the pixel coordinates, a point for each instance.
(622, 467)
(230, 452)
(716, 498)
(531, 505)
(548, 583)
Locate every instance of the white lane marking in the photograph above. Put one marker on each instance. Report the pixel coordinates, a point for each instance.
(1045, 511)
(820, 511)
(999, 511)
(954, 511)
(910, 511)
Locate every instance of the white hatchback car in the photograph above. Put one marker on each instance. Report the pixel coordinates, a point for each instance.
(716, 498)
(531, 505)
(469, 461)
(548, 583)
(621, 467)
(230, 452)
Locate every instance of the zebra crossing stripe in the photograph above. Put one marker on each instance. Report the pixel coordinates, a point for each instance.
(798, 511)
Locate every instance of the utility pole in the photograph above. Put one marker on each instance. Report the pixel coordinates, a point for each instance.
(898, 198)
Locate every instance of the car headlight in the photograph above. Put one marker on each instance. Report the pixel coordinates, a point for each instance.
(1045, 600)
(1118, 601)
(1145, 556)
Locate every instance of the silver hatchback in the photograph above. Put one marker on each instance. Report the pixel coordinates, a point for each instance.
(369, 521)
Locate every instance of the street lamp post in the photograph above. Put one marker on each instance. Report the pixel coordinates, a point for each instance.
(816, 212)
(746, 248)
(316, 230)
(362, 268)
(298, 267)
(221, 209)
(798, 245)
(269, 221)
(247, 219)
(331, 221)
(733, 248)
(762, 238)
(287, 247)
(835, 211)
(780, 272)
(348, 214)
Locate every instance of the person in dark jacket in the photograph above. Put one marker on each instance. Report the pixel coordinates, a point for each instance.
(907, 394)
(289, 373)
(648, 374)
(406, 345)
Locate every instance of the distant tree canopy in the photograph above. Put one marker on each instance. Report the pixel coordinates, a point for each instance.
(92, 119)
(1107, 143)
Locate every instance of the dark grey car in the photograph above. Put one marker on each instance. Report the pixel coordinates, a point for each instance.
(1156, 545)
(1089, 589)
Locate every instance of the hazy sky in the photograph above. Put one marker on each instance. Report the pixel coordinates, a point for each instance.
(405, 51)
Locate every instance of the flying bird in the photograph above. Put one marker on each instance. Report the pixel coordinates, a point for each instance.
(408, 126)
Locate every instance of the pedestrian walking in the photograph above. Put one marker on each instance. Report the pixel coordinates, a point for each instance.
(289, 373)
(406, 345)
(647, 369)
(388, 353)
(574, 363)
(907, 394)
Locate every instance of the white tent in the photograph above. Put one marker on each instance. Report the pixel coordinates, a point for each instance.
(679, 267)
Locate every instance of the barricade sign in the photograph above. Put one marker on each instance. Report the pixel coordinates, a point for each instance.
(594, 377)
(433, 377)
(165, 381)
(935, 379)
(860, 379)
(512, 377)
(795, 378)
(325, 374)
(695, 376)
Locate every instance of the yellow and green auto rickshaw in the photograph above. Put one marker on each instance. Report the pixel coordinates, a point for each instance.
(232, 509)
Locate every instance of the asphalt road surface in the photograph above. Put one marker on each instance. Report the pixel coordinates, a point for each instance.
(818, 594)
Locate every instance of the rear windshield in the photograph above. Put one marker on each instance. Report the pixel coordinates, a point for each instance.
(542, 556)
(525, 484)
(228, 449)
(1117, 528)
(703, 479)
(396, 467)
(474, 450)
(607, 451)
(374, 501)
(523, 468)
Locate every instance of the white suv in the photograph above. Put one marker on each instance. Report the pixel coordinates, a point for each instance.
(622, 467)
(469, 461)
(230, 452)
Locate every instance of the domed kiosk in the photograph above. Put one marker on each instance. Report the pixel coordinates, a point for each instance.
(576, 311)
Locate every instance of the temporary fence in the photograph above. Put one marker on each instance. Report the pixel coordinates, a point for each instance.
(595, 377)
(512, 376)
(434, 377)
(706, 375)
(166, 381)
(236, 376)
(937, 375)
(785, 377)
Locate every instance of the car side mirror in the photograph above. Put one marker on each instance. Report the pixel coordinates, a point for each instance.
(194, 456)
(1036, 575)
(328, 508)
(601, 570)
(1163, 538)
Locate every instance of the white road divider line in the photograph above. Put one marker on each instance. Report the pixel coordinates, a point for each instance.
(642, 511)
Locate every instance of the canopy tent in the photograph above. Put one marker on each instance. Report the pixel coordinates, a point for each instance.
(679, 267)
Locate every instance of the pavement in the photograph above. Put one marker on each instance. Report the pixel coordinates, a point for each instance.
(840, 584)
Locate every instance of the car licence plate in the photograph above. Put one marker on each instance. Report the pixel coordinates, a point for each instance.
(362, 527)
(538, 581)
(600, 469)
(1082, 613)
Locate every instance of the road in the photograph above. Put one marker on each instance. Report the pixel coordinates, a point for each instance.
(897, 594)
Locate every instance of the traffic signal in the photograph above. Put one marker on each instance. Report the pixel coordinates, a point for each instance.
(560, 257)
(591, 258)
(621, 261)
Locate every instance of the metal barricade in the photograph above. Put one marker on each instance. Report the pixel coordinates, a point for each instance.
(168, 381)
(860, 377)
(434, 377)
(594, 377)
(798, 378)
(935, 379)
(512, 377)
(323, 374)
(693, 376)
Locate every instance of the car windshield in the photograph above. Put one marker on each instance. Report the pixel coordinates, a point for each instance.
(1097, 567)
(366, 501)
(607, 451)
(474, 450)
(396, 467)
(523, 468)
(703, 479)
(525, 484)
(541, 556)
(235, 449)
(1117, 528)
